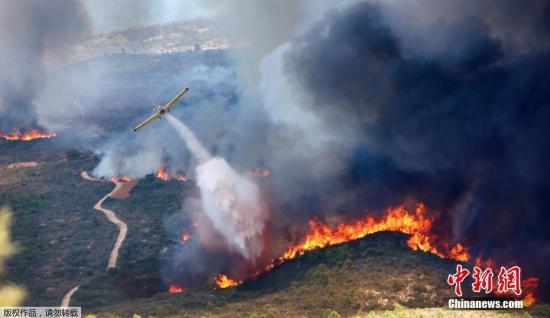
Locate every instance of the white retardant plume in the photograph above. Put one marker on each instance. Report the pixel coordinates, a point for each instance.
(187, 135)
(230, 200)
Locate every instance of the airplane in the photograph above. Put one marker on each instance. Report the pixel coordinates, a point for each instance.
(161, 110)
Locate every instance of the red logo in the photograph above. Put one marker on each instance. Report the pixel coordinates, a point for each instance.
(457, 278)
(508, 280)
(482, 280)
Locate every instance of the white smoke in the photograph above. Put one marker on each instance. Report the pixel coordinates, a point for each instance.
(231, 201)
(134, 165)
(124, 156)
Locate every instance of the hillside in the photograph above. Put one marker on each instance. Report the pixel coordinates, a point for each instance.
(61, 238)
(152, 39)
(52, 214)
(66, 243)
(373, 274)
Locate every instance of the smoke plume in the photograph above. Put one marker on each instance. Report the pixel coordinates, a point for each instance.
(31, 30)
(353, 106)
(459, 124)
(362, 117)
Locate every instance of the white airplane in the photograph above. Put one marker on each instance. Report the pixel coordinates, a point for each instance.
(161, 110)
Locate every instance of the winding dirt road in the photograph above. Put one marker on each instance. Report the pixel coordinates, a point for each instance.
(122, 227)
(67, 298)
(111, 216)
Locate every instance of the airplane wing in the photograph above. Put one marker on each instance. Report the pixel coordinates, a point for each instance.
(147, 121)
(175, 99)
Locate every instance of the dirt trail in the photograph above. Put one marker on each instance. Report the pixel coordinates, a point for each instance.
(67, 298)
(28, 164)
(122, 227)
(111, 216)
(86, 176)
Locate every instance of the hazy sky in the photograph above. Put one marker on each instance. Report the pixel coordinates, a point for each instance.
(121, 14)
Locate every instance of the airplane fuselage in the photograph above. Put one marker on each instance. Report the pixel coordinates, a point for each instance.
(162, 109)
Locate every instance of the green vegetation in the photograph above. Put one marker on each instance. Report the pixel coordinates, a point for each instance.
(378, 276)
(63, 242)
(61, 239)
(401, 312)
(137, 275)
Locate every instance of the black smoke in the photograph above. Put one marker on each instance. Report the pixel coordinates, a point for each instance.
(465, 130)
(30, 29)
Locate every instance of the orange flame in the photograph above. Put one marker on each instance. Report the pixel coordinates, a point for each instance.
(259, 173)
(416, 224)
(399, 219)
(163, 175)
(121, 179)
(27, 135)
(175, 289)
(530, 285)
(224, 281)
(459, 253)
(181, 178)
(186, 237)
